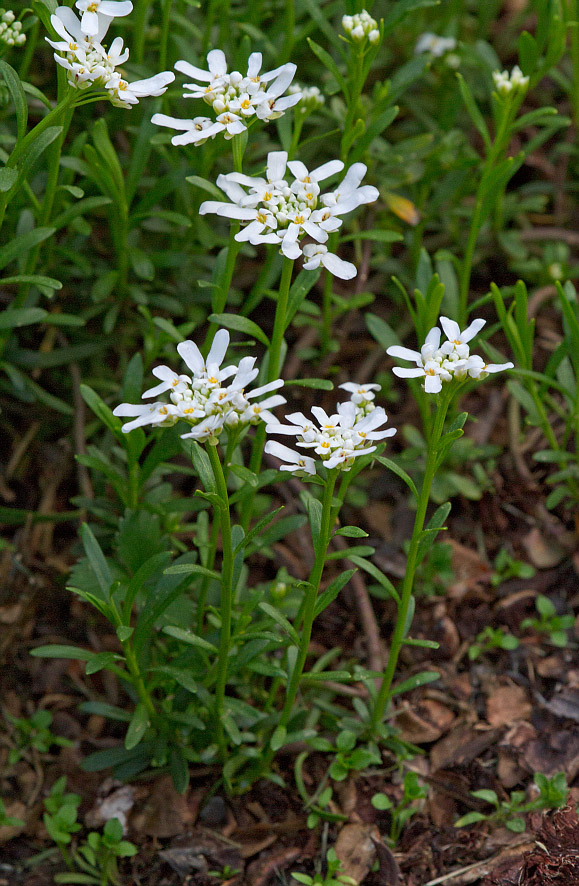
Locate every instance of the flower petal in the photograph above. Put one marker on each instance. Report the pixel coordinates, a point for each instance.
(190, 353)
(345, 270)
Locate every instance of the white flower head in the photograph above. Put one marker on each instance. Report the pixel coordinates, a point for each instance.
(81, 52)
(213, 397)
(506, 83)
(438, 364)
(281, 211)
(235, 98)
(435, 45)
(336, 439)
(361, 27)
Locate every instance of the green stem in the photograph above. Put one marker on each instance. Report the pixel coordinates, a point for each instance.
(140, 30)
(137, 679)
(326, 334)
(311, 596)
(165, 25)
(226, 592)
(279, 325)
(572, 11)
(401, 627)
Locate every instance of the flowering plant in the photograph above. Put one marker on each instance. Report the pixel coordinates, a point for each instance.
(453, 360)
(235, 98)
(274, 210)
(81, 52)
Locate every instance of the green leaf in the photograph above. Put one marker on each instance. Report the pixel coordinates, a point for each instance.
(473, 110)
(302, 285)
(381, 331)
(96, 558)
(60, 651)
(99, 661)
(401, 9)
(21, 317)
(378, 575)
(281, 620)
(421, 679)
(381, 801)
(486, 795)
(351, 532)
(469, 818)
(435, 524)
(256, 530)
(400, 472)
(528, 53)
(240, 324)
(196, 568)
(329, 63)
(8, 178)
(278, 738)
(22, 243)
(332, 591)
(137, 727)
(189, 638)
(376, 235)
(40, 280)
(205, 185)
(18, 96)
(318, 384)
(358, 550)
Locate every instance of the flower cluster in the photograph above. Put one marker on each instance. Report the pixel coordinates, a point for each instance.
(311, 98)
(281, 212)
(361, 27)
(506, 83)
(452, 360)
(362, 396)
(202, 400)
(337, 439)
(234, 98)
(81, 53)
(10, 29)
(435, 45)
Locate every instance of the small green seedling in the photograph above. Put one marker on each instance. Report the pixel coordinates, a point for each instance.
(349, 758)
(506, 567)
(9, 821)
(33, 734)
(553, 625)
(333, 876)
(492, 638)
(553, 793)
(403, 811)
(97, 858)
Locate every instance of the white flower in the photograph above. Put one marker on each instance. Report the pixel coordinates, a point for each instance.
(203, 400)
(312, 98)
(362, 396)
(124, 94)
(435, 45)
(317, 255)
(94, 11)
(451, 361)
(87, 61)
(337, 439)
(274, 210)
(361, 27)
(295, 462)
(234, 98)
(349, 195)
(506, 83)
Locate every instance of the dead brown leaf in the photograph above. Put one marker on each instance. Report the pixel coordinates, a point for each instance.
(356, 850)
(506, 704)
(427, 722)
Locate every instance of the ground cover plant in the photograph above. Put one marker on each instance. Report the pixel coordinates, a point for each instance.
(302, 608)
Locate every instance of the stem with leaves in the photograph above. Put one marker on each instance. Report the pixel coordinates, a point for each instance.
(223, 513)
(405, 601)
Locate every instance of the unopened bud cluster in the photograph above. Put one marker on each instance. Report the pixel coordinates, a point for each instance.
(312, 98)
(10, 29)
(361, 27)
(506, 84)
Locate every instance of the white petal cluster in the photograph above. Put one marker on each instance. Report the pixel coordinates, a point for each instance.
(201, 399)
(434, 44)
(234, 98)
(361, 27)
(506, 83)
(282, 212)
(311, 98)
(362, 396)
(10, 30)
(438, 363)
(81, 52)
(336, 439)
